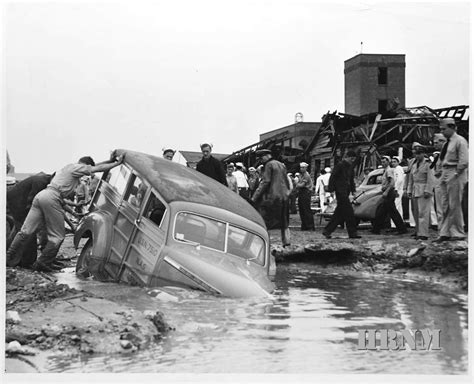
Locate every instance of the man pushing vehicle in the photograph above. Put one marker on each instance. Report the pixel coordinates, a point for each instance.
(47, 210)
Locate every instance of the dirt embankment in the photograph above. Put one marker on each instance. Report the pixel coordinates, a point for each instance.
(46, 318)
(399, 255)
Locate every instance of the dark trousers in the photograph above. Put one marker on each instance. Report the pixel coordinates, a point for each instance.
(244, 193)
(304, 206)
(387, 208)
(293, 203)
(344, 213)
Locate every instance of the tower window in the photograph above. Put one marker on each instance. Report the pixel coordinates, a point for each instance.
(383, 75)
(383, 105)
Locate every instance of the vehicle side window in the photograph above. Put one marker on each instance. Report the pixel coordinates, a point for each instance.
(118, 178)
(207, 232)
(245, 244)
(374, 179)
(155, 209)
(136, 192)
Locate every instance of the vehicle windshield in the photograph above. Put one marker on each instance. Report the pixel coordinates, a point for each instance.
(211, 233)
(374, 179)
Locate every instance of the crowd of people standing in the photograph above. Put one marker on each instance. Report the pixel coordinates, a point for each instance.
(433, 184)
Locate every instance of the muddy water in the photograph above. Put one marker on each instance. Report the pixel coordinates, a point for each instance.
(310, 325)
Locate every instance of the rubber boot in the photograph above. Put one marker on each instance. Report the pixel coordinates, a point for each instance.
(49, 254)
(16, 249)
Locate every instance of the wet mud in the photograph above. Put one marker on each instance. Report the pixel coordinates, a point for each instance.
(443, 263)
(45, 318)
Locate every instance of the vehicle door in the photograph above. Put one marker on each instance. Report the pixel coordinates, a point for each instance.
(146, 243)
(121, 180)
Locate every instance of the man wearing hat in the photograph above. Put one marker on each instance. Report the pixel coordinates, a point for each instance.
(342, 183)
(420, 191)
(210, 166)
(304, 188)
(387, 207)
(454, 159)
(168, 154)
(271, 196)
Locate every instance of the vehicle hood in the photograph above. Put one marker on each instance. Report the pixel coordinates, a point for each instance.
(218, 272)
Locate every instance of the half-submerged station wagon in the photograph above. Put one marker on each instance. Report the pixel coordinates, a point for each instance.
(153, 222)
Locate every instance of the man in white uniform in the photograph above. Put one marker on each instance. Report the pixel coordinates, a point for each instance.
(242, 181)
(399, 179)
(322, 183)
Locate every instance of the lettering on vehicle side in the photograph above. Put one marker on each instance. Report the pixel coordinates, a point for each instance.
(140, 263)
(146, 246)
(389, 339)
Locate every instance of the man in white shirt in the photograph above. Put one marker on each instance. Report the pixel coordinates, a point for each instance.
(454, 159)
(242, 181)
(399, 179)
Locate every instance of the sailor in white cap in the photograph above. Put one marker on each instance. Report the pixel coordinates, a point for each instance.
(322, 185)
(399, 179)
(168, 153)
(304, 189)
(242, 181)
(387, 207)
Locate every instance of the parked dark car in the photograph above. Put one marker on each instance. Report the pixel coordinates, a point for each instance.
(367, 198)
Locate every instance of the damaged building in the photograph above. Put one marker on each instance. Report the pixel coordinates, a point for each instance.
(288, 144)
(376, 121)
(377, 134)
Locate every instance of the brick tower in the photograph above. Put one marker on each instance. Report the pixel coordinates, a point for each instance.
(371, 81)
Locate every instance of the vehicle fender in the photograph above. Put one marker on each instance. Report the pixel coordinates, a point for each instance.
(367, 209)
(97, 225)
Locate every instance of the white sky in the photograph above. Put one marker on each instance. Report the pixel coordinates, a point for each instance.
(82, 78)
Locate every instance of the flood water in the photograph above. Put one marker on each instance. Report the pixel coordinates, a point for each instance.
(309, 325)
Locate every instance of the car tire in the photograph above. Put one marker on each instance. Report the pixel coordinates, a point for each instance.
(82, 269)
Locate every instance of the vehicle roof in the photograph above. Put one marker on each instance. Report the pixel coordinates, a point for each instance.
(378, 171)
(176, 182)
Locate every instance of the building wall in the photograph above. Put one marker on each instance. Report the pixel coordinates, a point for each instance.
(296, 133)
(361, 86)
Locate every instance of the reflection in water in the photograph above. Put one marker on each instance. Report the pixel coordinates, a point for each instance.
(310, 325)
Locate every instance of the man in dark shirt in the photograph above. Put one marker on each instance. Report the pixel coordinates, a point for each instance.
(19, 200)
(272, 195)
(210, 166)
(48, 210)
(342, 182)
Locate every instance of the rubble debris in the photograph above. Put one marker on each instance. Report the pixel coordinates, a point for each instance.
(13, 317)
